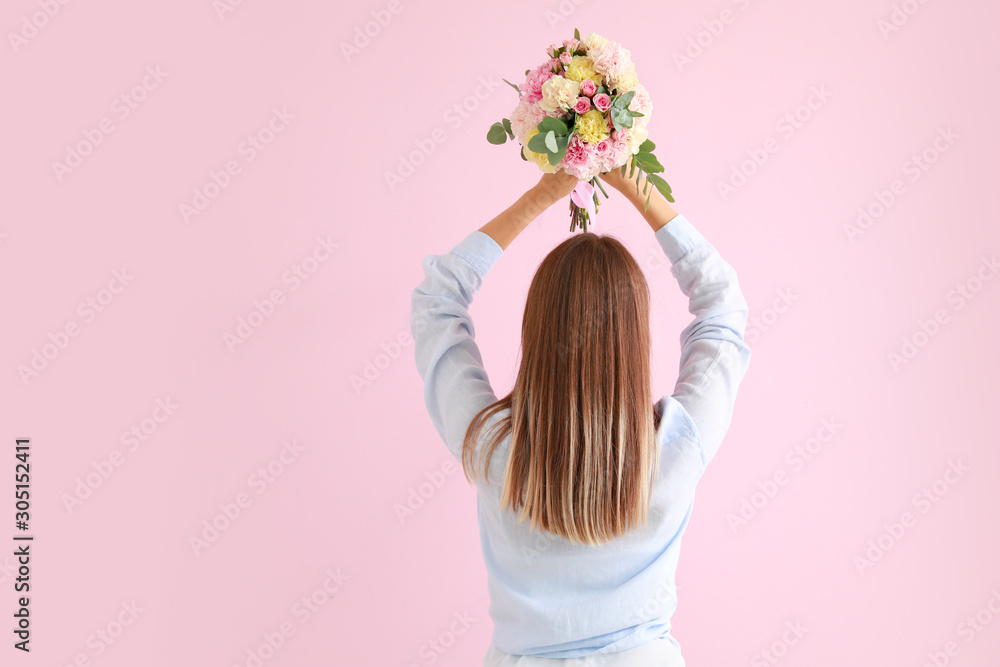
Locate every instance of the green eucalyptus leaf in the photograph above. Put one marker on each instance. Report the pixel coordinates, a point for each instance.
(537, 143)
(506, 127)
(550, 141)
(555, 158)
(647, 146)
(648, 162)
(550, 124)
(496, 135)
(661, 185)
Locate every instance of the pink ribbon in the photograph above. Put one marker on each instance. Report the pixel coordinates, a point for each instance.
(583, 196)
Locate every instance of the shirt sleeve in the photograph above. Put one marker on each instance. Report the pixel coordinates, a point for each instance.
(714, 355)
(456, 385)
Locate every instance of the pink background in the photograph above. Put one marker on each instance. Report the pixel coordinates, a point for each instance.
(327, 514)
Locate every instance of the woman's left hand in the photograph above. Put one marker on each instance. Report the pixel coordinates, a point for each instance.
(558, 184)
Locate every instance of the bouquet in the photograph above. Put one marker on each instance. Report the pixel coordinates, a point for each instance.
(584, 111)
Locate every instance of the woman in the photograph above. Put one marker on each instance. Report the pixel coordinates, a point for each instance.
(585, 484)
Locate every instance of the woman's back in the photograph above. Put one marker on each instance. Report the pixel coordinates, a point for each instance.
(553, 598)
(550, 596)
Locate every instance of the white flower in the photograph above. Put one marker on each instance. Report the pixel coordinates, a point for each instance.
(559, 94)
(593, 41)
(637, 134)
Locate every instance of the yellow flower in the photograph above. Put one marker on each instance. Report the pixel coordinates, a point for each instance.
(582, 67)
(592, 127)
(541, 159)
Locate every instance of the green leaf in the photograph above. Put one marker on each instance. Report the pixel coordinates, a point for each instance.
(647, 146)
(512, 85)
(522, 154)
(624, 100)
(648, 162)
(537, 143)
(550, 141)
(550, 124)
(496, 135)
(634, 113)
(661, 185)
(576, 34)
(506, 127)
(555, 158)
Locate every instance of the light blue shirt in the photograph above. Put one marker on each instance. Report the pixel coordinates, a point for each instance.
(550, 597)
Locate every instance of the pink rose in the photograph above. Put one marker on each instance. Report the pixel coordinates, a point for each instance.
(565, 57)
(588, 87)
(602, 101)
(582, 105)
(571, 44)
(620, 135)
(605, 155)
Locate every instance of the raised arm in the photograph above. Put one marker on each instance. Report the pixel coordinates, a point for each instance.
(714, 355)
(456, 385)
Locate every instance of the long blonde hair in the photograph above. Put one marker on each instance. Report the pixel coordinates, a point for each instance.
(582, 424)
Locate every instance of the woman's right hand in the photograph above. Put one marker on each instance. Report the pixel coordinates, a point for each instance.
(615, 179)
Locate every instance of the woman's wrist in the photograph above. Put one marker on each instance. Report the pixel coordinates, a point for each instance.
(540, 197)
(627, 186)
